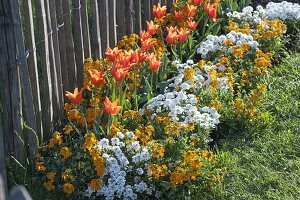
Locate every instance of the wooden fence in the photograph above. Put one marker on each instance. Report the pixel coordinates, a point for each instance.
(43, 44)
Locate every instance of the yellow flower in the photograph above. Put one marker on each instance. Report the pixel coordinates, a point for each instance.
(68, 188)
(158, 170)
(40, 167)
(67, 175)
(51, 175)
(68, 129)
(89, 141)
(95, 184)
(189, 74)
(65, 152)
(49, 185)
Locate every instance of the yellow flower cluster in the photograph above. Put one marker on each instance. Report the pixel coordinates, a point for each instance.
(95, 184)
(127, 42)
(49, 184)
(56, 139)
(158, 170)
(65, 152)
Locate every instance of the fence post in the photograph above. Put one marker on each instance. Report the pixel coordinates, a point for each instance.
(3, 184)
(78, 41)
(104, 27)
(129, 13)
(43, 50)
(19, 193)
(137, 16)
(85, 30)
(120, 12)
(96, 40)
(112, 23)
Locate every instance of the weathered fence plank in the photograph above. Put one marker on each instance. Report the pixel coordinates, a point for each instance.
(78, 41)
(104, 26)
(32, 64)
(19, 193)
(147, 12)
(3, 183)
(129, 13)
(52, 58)
(85, 30)
(96, 40)
(137, 16)
(112, 23)
(62, 45)
(43, 50)
(3, 188)
(69, 46)
(120, 12)
(5, 89)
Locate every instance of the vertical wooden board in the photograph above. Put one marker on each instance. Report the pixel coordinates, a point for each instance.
(147, 12)
(85, 30)
(19, 193)
(14, 82)
(120, 12)
(70, 55)
(29, 113)
(43, 51)
(3, 182)
(104, 26)
(32, 64)
(5, 89)
(96, 40)
(137, 16)
(129, 13)
(56, 58)
(62, 46)
(55, 94)
(112, 23)
(78, 41)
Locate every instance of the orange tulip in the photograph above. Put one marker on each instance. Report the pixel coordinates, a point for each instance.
(172, 34)
(76, 97)
(138, 56)
(97, 77)
(112, 54)
(118, 72)
(154, 64)
(147, 44)
(211, 10)
(111, 107)
(151, 27)
(192, 24)
(198, 2)
(178, 15)
(144, 35)
(191, 10)
(159, 11)
(182, 34)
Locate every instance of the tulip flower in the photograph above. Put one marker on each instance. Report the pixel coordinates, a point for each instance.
(138, 56)
(192, 24)
(191, 10)
(118, 72)
(182, 34)
(111, 108)
(97, 77)
(144, 35)
(159, 11)
(151, 27)
(211, 10)
(154, 64)
(112, 54)
(198, 2)
(76, 97)
(147, 44)
(178, 15)
(172, 34)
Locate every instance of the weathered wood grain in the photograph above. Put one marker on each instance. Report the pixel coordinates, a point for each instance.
(85, 30)
(96, 40)
(120, 12)
(104, 26)
(112, 23)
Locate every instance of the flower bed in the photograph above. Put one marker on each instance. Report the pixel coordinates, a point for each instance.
(141, 125)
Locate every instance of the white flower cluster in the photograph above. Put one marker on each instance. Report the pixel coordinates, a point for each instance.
(200, 78)
(182, 107)
(249, 15)
(216, 43)
(283, 10)
(126, 168)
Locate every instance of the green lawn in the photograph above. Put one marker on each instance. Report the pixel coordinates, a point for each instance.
(263, 162)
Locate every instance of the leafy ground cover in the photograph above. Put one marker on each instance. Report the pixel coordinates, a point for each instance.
(263, 161)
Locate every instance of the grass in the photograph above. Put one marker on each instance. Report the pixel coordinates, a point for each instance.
(262, 160)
